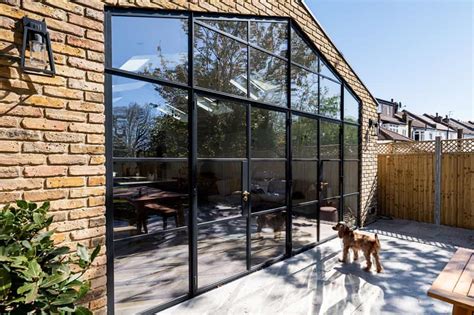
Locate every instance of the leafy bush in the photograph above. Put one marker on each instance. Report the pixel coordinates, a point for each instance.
(35, 275)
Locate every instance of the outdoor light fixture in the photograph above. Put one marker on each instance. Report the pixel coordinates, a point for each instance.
(37, 43)
(373, 127)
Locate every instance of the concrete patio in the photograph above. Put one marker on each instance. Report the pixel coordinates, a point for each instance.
(314, 282)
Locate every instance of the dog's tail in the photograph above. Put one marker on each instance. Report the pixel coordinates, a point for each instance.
(377, 241)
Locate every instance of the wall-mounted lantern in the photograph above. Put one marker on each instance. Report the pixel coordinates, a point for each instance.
(36, 51)
(373, 127)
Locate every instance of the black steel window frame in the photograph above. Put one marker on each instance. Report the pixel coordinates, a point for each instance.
(193, 19)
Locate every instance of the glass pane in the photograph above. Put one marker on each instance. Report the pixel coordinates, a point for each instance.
(327, 72)
(305, 225)
(267, 78)
(149, 196)
(268, 133)
(351, 107)
(234, 28)
(220, 63)
(351, 177)
(305, 181)
(330, 179)
(301, 53)
(304, 90)
(151, 46)
(304, 135)
(330, 146)
(221, 127)
(330, 98)
(221, 251)
(268, 236)
(150, 271)
(219, 189)
(329, 216)
(270, 36)
(350, 210)
(351, 140)
(268, 185)
(148, 120)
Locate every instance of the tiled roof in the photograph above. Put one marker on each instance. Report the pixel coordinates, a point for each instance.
(385, 134)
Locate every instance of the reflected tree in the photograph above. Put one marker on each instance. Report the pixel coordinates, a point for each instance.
(131, 127)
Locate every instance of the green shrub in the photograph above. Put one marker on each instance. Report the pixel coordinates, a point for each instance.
(35, 275)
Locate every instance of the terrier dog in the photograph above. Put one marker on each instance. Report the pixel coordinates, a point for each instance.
(276, 221)
(370, 245)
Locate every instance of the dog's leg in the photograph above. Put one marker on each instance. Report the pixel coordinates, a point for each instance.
(345, 251)
(368, 259)
(377, 262)
(356, 253)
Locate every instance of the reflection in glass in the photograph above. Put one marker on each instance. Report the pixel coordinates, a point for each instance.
(219, 189)
(270, 36)
(330, 144)
(305, 225)
(220, 63)
(221, 128)
(351, 142)
(301, 53)
(268, 133)
(305, 181)
(329, 179)
(351, 176)
(351, 107)
(232, 27)
(151, 46)
(350, 210)
(327, 72)
(268, 236)
(149, 196)
(304, 90)
(330, 105)
(304, 134)
(148, 120)
(329, 215)
(150, 271)
(221, 251)
(267, 78)
(268, 185)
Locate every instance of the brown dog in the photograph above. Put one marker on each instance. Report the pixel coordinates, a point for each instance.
(369, 244)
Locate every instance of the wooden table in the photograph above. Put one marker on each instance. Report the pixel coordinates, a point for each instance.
(455, 284)
(141, 196)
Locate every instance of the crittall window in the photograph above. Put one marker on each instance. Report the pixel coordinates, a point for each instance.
(232, 144)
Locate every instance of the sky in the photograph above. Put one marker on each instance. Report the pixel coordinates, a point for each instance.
(418, 52)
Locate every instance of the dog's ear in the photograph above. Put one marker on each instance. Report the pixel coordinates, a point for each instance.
(343, 229)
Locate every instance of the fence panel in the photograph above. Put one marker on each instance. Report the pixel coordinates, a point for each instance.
(406, 182)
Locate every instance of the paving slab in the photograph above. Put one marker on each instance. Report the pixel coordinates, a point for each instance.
(315, 282)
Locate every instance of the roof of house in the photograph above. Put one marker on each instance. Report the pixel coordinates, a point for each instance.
(418, 121)
(392, 119)
(453, 124)
(438, 126)
(385, 134)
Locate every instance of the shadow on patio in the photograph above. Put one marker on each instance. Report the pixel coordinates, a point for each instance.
(314, 282)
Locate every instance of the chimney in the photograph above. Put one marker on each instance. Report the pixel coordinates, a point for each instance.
(391, 100)
(409, 127)
(460, 133)
(405, 117)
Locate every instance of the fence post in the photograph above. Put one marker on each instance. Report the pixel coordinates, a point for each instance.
(437, 183)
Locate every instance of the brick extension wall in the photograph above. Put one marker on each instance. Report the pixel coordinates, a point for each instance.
(52, 129)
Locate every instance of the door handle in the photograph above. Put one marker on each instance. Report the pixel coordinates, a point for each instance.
(245, 196)
(322, 185)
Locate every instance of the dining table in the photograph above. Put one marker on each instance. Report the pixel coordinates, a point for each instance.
(149, 199)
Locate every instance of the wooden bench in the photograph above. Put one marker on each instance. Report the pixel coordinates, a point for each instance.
(455, 284)
(164, 212)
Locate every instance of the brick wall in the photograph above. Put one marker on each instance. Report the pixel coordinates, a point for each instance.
(52, 129)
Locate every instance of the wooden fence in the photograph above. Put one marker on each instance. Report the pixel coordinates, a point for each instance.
(429, 181)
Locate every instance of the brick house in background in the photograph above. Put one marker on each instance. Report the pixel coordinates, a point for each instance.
(65, 139)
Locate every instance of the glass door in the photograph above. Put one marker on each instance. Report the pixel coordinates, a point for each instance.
(222, 189)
